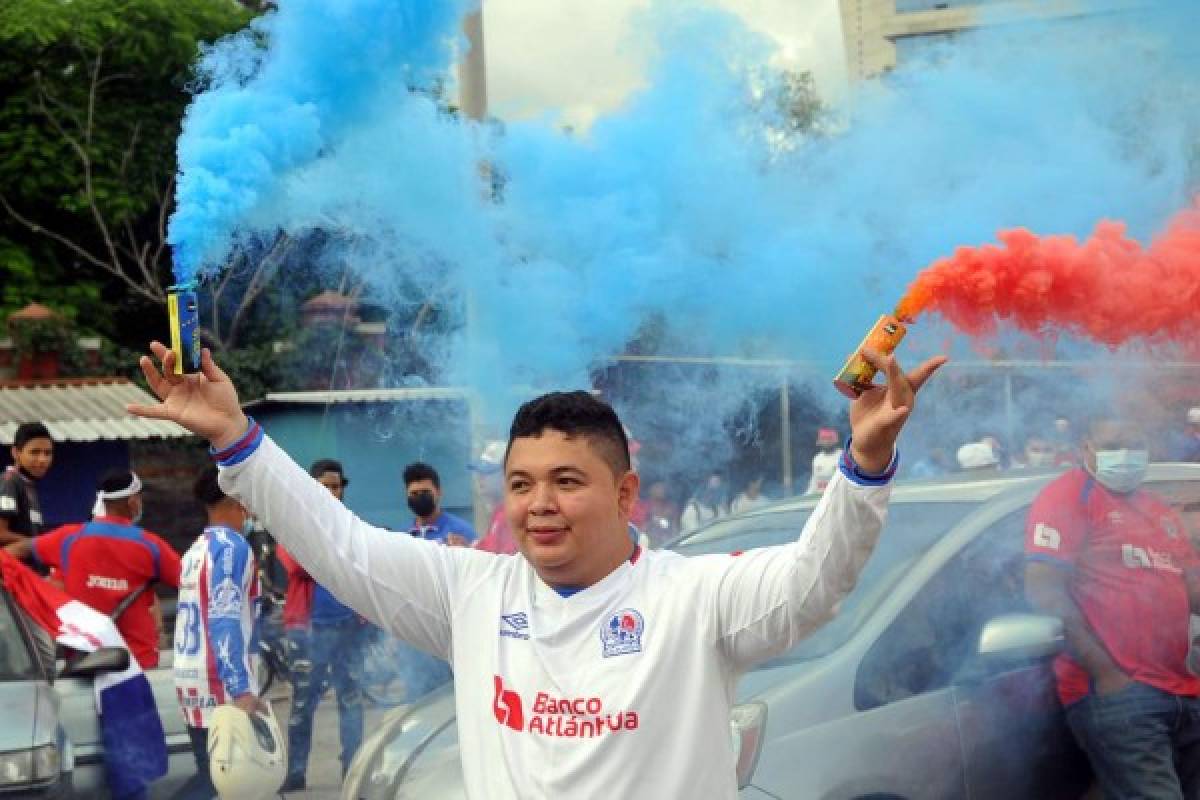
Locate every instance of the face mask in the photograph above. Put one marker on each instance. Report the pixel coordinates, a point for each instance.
(1121, 471)
(248, 527)
(137, 516)
(422, 503)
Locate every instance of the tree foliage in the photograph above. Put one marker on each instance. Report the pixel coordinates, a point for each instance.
(92, 95)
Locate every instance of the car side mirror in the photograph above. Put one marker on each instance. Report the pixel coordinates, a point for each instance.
(105, 659)
(1021, 637)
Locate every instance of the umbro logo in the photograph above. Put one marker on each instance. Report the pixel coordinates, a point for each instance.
(515, 626)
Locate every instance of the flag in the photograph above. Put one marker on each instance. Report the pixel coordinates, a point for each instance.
(135, 747)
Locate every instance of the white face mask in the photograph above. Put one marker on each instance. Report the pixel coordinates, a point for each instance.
(1121, 471)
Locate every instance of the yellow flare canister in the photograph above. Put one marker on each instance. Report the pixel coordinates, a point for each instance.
(856, 376)
(184, 313)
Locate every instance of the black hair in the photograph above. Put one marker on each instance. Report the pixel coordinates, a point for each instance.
(323, 465)
(1093, 421)
(115, 480)
(420, 471)
(577, 413)
(206, 489)
(28, 431)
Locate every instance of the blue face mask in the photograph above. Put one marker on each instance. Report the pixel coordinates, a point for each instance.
(248, 526)
(1121, 471)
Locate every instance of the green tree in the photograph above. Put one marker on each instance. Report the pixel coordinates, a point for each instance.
(92, 94)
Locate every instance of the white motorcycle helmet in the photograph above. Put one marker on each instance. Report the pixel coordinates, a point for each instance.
(247, 759)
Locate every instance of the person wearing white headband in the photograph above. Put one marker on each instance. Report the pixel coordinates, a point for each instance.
(112, 564)
(120, 494)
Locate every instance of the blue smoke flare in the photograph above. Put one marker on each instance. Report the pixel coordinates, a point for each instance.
(679, 209)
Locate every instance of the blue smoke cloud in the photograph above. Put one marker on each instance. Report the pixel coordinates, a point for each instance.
(678, 209)
(279, 95)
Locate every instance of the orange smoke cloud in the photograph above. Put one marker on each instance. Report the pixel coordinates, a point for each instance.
(1108, 288)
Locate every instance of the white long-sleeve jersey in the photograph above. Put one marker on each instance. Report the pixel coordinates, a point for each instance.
(621, 690)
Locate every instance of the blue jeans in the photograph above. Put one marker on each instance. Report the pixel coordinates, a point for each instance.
(329, 654)
(1142, 742)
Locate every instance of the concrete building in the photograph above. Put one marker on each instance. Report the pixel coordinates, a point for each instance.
(878, 33)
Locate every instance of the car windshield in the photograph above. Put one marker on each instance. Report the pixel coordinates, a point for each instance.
(911, 529)
(16, 663)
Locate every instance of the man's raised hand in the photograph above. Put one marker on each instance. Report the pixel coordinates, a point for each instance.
(205, 403)
(879, 413)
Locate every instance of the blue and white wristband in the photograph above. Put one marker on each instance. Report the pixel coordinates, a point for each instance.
(856, 474)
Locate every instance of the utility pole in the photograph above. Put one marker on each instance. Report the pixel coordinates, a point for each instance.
(472, 70)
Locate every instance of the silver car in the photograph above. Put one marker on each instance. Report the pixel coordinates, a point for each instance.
(50, 742)
(932, 681)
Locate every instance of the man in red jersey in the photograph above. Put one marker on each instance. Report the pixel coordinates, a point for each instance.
(106, 561)
(1116, 563)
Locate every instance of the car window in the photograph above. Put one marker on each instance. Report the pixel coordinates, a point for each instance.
(1184, 496)
(932, 642)
(16, 663)
(910, 530)
(711, 538)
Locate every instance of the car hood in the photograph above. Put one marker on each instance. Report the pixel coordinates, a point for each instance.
(399, 737)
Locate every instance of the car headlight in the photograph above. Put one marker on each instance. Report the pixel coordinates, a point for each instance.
(29, 766)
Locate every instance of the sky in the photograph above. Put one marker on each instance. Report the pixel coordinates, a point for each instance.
(607, 56)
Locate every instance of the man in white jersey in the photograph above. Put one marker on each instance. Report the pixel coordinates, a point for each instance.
(584, 667)
(214, 625)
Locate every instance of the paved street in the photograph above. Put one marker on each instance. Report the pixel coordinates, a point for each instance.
(324, 769)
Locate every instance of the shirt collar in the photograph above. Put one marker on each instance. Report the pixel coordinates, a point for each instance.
(112, 518)
(431, 526)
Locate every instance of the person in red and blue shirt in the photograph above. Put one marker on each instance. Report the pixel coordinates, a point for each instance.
(103, 562)
(1116, 563)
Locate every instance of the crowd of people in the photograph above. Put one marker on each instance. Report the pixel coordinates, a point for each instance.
(1057, 446)
(664, 513)
(114, 565)
(1094, 536)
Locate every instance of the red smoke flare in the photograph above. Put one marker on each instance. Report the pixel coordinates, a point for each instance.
(1109, 288)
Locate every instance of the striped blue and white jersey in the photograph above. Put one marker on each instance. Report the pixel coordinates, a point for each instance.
(215, 624)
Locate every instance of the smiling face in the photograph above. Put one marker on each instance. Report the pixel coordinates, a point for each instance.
(568, 509)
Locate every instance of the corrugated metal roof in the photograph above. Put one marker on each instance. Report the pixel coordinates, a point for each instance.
(82, 412)
(363, 396)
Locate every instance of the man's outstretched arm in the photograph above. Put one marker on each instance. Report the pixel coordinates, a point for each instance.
(397, 582)
(768, 600)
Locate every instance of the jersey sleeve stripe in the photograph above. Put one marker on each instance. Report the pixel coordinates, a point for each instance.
(242, 449)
